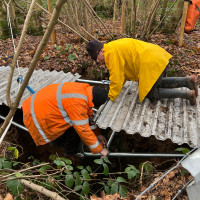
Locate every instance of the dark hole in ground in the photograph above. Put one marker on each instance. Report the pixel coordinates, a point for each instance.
(122, 142)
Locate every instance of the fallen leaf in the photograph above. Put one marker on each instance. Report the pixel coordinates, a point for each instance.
(8, 197)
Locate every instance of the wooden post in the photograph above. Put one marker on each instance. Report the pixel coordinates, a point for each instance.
(53, 35)
(123, 18)
(185, 9)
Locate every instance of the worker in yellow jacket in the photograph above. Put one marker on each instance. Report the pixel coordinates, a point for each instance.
(145, 63)
(60, 113)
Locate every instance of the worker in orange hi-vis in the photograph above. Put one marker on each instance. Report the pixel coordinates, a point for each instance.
(59, 113)
(145, 63)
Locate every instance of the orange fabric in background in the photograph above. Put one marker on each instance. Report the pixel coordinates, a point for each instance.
(192, 15)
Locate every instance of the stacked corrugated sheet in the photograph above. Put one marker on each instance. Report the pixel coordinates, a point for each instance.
(38, 80)
(175, 119)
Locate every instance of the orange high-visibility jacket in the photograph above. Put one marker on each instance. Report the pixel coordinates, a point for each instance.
(48, 113)
(192, 15)
(135, 60)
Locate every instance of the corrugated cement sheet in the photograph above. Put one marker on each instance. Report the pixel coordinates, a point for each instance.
(175, 119)
(38, 80)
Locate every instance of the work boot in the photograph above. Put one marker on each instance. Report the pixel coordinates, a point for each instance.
(192, 97)
(192, 83)
(176, 82)
(174, 93)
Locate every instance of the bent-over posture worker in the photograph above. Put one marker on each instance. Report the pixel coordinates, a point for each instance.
(60, 112)
(145, 63)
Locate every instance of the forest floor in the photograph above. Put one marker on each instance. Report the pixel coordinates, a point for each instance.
(69, 54)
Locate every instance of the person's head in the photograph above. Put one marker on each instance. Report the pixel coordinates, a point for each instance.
(100, 96)
(95, 50)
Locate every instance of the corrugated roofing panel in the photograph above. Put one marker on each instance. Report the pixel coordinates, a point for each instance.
(38, 80)
(175, 119)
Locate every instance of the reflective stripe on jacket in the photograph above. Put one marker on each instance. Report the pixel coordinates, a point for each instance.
(135, 60)
(52, 110)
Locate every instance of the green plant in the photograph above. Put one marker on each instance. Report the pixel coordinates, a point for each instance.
(46, 58)
(72, 57)
(15, 151)
(183, 150)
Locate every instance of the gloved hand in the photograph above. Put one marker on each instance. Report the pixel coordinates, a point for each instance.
(102, 140)
(104, 152)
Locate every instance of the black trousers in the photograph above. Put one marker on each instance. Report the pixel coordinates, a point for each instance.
(153, 93)
(70, 141)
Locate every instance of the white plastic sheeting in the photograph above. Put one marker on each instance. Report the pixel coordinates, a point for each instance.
(38, 80)
(175, 119)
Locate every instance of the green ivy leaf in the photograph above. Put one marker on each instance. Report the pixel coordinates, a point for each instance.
(78, 179)
(11, 148)
(16, 153)
(106, 160)
(71, 57)
(7, 165)
(78, 187)
(114, 188)
(67, 161)
(89, 169)
(59, 163)
(148, 167)
(110, 182)
(121, 180)
(52, 157)
(86, 188)
(58, 47)
(69, 181)
(15, 163)
(80, 167)
(69, 46)
(123, 191)
(1, 162)
(106, 169)
(101, 183)
(44, 168)
(127, 169)
(98, 161)
(131, 174)
(15, 186)
(183, 150)
(85, 174)
(69, 167)
(18, 174)
(107, 189)
(46, 58)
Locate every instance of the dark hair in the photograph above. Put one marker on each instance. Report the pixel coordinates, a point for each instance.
(94, 47)
(100, 96)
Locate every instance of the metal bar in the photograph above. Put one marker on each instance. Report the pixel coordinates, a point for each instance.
(103, 82)
(15, 124)
(111, 139)
(180, 191)
(124, 154)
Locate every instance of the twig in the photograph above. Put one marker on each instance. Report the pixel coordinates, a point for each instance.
(63, 23)
(41, 189)
(26, 169)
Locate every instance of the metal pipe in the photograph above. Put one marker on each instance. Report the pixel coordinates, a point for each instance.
(103, 82)
(111, 138)
(121, 154)
(15, 124)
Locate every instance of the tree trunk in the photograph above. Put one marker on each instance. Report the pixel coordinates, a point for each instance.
(123, 17)
(53, 35)
(164, 7)
(4, 25)
(35, 27)
(174, 19)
